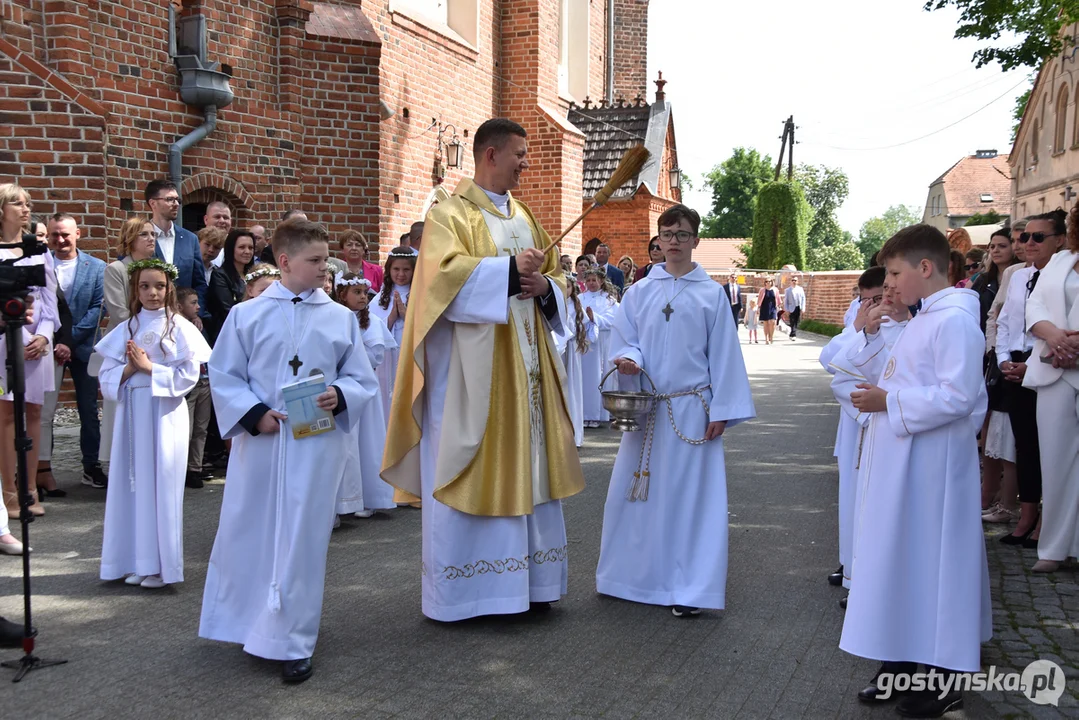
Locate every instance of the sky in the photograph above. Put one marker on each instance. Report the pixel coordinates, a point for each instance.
(856, 75)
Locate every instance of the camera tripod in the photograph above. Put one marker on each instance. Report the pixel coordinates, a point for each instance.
(13, 311)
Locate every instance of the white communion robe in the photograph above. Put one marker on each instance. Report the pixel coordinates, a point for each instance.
(566, 345)
(849, 436)
(387, 371)
(362, 488)
(920, 582)
(671, 549)
(144, 506)
(595, 363)
(478, 565)
(264, 584)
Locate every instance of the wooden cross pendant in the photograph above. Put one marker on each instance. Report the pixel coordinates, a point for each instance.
(667, 311)
(295, 364)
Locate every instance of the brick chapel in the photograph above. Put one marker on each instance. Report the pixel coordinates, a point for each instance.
(354, 111)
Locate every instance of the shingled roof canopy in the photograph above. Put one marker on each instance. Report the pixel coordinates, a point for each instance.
(977, 184)
(609, 132)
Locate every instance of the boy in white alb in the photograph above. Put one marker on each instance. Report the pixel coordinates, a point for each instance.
(919, 581)
(265, 581)
(665, 521)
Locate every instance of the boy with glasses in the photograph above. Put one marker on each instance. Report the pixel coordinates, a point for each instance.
(665, 541)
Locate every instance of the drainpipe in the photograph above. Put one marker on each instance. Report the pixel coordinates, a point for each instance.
(172, 30)
(176, 150)
(610, 52)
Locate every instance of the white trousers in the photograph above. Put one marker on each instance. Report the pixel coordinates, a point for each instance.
(1058, 435)
(48, 412)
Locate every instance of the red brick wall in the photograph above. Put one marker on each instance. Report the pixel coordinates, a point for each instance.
(828, 294)
(630, 48)
(104, 80)
(627, 225)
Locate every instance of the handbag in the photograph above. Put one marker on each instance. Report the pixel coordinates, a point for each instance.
(993, 374)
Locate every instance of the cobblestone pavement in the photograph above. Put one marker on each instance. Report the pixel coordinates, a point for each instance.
(772, 654)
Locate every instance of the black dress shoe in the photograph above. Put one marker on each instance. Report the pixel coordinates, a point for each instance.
(836, 578)
(194, 480)
(874, 694)
(10, 634)
(843, 603)
(296, 671)
(928, 705)
(539, 607)
(1030, 543)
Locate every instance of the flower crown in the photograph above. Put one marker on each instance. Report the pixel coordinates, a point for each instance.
(597, 271)
(153, 264)
(399, 252)
(263, 270)
(353, 281)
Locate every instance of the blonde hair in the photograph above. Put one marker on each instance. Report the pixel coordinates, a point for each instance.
(215, 237)
(129, 233)
(11, 192)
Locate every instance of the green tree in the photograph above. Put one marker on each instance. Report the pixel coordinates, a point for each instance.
(876, 231)
(1036, 25)
(779, 227)
(990, 218)
(843, 255)
(735, 183)
(825, 189)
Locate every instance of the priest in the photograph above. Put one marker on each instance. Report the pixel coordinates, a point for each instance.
(477, 352)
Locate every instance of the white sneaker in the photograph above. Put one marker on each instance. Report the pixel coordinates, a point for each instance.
(153, 582)
(364, 513)
(992, 509)
(134, 579)
(336, 521)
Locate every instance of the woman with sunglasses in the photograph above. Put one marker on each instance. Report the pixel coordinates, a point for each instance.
(1053, 318)
(974, 264)
(655, 256)
(769, 306)
(1044, 235)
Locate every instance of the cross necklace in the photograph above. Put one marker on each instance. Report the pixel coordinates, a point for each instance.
(295, 363)
(668, 310)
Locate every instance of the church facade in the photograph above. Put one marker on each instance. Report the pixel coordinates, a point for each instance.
(355, 111)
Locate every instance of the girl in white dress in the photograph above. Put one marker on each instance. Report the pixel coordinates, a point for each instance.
(149, 364)
(363, 491)
(390, 307)
(599, 304)
(572, 346)
(753, 322)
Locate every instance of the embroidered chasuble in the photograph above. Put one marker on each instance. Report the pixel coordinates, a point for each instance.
(510, 445)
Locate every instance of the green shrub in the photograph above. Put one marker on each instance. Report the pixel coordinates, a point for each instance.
(820, 328)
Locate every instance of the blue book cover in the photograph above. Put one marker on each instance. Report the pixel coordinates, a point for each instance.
(304, 415)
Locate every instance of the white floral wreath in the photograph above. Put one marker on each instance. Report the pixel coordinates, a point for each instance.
(354, 281)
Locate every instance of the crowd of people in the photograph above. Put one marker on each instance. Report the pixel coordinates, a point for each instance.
(459, 380)
(955, 371)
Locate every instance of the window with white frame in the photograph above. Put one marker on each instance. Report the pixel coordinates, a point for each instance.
(573, 42)
(461, 17)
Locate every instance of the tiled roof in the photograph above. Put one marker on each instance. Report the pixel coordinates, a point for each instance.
(609, 132)
(970, 178)
(716, 254)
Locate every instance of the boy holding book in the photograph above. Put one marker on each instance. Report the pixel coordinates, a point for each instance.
(264, 585)
(920, 582)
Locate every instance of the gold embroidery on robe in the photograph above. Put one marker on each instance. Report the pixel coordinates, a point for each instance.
(496, 479)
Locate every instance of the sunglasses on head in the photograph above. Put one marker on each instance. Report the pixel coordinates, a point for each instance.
(1036, 237)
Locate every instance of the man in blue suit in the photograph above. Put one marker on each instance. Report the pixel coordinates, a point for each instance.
(81, 279)
(173, 244)
(603, 256)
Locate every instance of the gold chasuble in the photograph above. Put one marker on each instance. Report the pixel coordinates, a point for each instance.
(507, 439)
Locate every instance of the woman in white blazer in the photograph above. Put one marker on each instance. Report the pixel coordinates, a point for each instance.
(1052, 315)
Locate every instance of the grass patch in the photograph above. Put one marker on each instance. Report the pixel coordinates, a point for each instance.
(820, 328)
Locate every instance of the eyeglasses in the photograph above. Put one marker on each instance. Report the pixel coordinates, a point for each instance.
(171, 200)
(1036, 237)
(682, 236)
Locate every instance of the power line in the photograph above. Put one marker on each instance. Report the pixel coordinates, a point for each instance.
(930, 134)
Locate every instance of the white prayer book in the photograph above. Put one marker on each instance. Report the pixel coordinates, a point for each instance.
(304, 415)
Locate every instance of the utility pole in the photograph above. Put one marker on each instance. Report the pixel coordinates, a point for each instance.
(787, 148)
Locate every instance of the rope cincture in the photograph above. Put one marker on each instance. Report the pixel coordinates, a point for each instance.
(638, 489)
